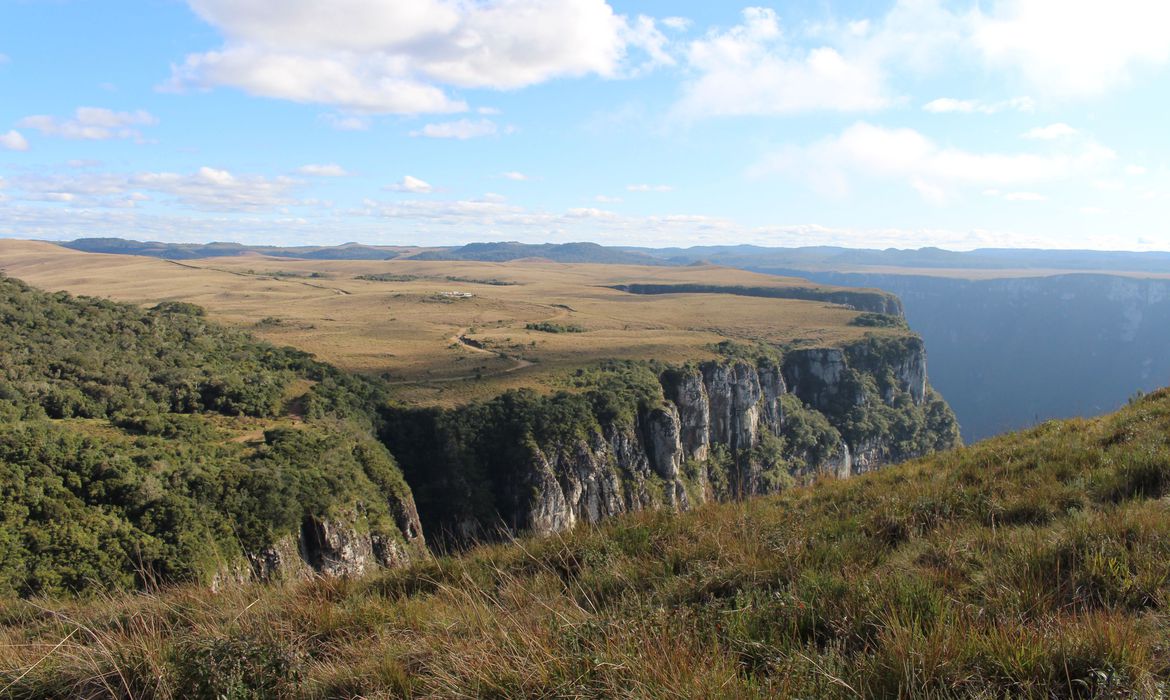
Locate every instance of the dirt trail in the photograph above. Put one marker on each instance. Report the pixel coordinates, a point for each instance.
(518, 363)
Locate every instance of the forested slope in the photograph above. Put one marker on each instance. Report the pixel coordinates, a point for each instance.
(142, 445)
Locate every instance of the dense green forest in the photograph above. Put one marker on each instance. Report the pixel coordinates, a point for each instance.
(116, 468)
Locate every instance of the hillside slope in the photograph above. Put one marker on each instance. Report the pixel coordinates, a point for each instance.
(153, 445)
(1032, 565)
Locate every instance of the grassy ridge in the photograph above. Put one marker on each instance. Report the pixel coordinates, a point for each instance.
(1033, 565)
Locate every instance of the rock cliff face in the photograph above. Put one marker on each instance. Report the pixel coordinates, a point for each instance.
(873, 301)
(714, 430)
(341, 546)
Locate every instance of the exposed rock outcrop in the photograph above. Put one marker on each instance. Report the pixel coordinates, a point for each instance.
(341, 546)
(709, 434)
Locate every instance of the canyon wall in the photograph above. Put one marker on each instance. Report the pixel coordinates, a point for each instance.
(643, 436)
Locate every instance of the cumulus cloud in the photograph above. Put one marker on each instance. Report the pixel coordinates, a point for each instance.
(396, 57)
(515, 176)
(762, 67)
(649, 188)
(217, 190)
(1051, 132)
(207, 189)
(91, 123)
(323, 170)
(13, 141)
(752, 69)
(1073, 49)
(945, 105)
(461, 129)
(409, 183)
(935, 171)
(678, 24)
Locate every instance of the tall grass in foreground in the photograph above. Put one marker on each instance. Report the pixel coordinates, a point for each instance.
(1034, 565)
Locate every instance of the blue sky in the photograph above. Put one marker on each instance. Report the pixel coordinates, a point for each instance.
(1028, 123)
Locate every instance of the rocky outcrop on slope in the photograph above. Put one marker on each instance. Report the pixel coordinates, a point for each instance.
(711, 430)
(340, 546)
(871, 301)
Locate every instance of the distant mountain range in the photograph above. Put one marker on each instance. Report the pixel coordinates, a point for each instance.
(819, 258)
(556, 252)
(189, 251)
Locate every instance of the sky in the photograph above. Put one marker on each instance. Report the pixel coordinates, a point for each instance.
(996, 123)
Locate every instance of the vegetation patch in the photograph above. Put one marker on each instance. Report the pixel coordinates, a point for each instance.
(116, 465)
(550, 327)
(875, 320)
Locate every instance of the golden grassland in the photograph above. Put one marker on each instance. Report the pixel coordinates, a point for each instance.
(415, 328)
(1031, 565)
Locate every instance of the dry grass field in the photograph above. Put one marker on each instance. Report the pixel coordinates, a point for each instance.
(447, 332)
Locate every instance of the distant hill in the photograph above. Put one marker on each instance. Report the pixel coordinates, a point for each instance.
(189, 251)
(556, 252)
(823, 258)
(835, 258)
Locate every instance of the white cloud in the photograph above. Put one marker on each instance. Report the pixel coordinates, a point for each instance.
(934, 170)
(760, 67)
(515, 176)
(590, 213)
(220, 190)
(678, 24)
(409, 183)
(1073, 49)
(342, 79)
(1093, 210)
(944, 105)
(1060, 130)
(207, 189)
(393, 57)
(649, 188)
(1025, 197)
(13, 141)
(92, 123)
(488, 111)
(323, 170)
(752, 69)
(1135, 170)
(461, 129)
(606, 199)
